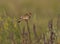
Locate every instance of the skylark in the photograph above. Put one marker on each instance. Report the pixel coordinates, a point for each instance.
(27, 16)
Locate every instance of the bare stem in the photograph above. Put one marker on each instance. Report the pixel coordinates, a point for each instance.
(29, 32)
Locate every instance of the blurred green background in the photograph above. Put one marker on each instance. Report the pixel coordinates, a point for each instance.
(42, 11)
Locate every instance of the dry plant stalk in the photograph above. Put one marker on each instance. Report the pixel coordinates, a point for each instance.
(23, 41)
(34, 30)
(24, 36)
(37, 38)
(30, 41)
(44, 38)
(52, 34)
(58, 22)
(50, 25)
(12, 38)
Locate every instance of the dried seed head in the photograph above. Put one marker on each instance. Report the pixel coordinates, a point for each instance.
(50, 24)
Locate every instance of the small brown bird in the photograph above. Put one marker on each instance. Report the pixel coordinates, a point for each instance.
(27, 16)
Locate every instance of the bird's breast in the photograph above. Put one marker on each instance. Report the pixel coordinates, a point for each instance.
(25, 17)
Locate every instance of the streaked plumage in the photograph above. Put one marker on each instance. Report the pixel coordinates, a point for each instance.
(27, 16)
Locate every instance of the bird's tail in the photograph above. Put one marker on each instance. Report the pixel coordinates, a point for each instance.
(19, 20)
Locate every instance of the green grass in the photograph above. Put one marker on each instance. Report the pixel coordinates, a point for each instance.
(42, 12)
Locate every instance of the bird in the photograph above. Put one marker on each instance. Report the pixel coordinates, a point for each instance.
(25, 17)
